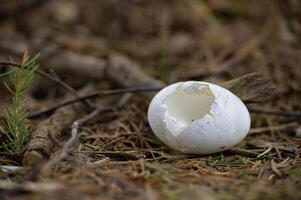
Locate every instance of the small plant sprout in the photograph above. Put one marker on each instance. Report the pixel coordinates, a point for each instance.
(16, 130)
(198, 117)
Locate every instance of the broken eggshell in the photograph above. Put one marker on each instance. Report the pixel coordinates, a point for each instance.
(198, 117)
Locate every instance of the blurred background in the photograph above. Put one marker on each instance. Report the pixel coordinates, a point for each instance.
(170, 39)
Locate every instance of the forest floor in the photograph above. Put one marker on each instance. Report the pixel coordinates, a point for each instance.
(116, 155)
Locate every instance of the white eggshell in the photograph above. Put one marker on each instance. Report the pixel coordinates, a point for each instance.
(198, 117)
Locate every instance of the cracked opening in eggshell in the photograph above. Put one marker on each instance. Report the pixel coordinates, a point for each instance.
(188, 103)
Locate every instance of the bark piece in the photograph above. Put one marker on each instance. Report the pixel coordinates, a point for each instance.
(251, 88)
(40, 145)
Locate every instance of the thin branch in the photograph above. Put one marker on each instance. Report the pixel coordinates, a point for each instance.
(123, 184)
(77, 123)
(71, 90)
(66, 148)
(121, 103)
(90, 116)
(274, 168)
(41, 144)
(97, 94)
(71, 141)
(90, 96)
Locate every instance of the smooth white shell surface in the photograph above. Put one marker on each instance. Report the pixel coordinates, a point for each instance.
(198, 117)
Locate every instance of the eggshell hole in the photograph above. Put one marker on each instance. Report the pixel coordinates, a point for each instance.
(189, 103)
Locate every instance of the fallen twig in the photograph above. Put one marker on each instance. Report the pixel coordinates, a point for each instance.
(90, 96)
(74, 136)
(71, 141)
(54, 57)
(41, 144)
(116, 67)
(122, 101)
(274, 168)
(265, 152)
(71, 90)
(66, 148)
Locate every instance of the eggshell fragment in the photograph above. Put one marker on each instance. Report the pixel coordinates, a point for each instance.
(198, 117)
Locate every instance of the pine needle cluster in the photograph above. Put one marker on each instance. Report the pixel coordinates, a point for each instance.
(16, 128)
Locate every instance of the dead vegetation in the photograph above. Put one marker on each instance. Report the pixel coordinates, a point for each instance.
(96, 48)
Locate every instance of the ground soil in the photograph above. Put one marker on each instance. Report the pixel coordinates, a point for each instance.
(171, 40)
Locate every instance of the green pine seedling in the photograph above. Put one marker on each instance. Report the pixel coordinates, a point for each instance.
(16, 129)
